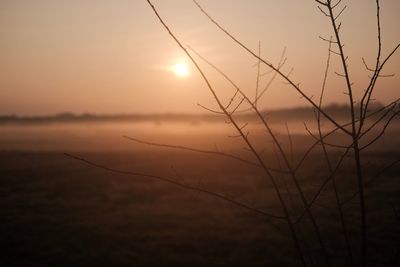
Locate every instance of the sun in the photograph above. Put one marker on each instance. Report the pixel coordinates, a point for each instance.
(181, 69)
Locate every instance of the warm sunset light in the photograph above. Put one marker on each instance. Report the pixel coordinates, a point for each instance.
(113, 49)
(181, 69)
(200, 133)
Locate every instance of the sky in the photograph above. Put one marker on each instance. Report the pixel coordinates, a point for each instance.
(103, 57)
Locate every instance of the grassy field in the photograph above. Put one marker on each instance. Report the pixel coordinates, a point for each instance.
(57, 211)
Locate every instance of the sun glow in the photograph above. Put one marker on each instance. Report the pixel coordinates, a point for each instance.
(181, 69)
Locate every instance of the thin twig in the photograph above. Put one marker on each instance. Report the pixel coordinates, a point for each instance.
(218, 153)
(285, 77)
(177, 183)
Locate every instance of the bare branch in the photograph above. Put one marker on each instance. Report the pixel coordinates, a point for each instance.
(237, 106)
(244, 137)
(232, 99)
(376, 176)
(177, 183)
(294, 85)
(366, 66)
(258, 74)
(328, 41)
(211, 110)
(217, 152)
(335, 5)
(322, 187)
(382, 132)
(321, 3)
(309, 150)
(322, 11)
(290, 143)
(340, 13)
(377, 121)
(283, 154)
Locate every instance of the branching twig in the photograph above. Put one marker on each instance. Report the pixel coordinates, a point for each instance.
(371, 180)
(179, 184)
(285, 77)
(218, 153)
(244, 137)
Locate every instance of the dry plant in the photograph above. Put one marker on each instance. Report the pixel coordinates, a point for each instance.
(364, 127)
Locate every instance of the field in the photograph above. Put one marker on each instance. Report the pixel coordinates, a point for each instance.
(58, 211)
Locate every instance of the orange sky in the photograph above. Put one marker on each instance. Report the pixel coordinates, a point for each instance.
(114, 56)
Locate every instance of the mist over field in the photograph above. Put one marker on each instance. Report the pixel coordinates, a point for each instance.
(199, 133)
(56, 210)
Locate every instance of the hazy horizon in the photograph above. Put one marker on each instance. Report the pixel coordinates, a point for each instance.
(114, 56)
(288, 114)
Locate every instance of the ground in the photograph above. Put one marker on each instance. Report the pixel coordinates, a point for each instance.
(57, 211)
